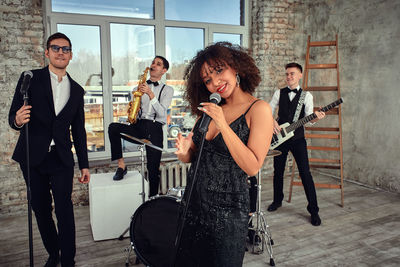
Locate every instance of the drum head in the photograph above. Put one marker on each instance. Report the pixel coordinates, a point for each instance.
(153, 230)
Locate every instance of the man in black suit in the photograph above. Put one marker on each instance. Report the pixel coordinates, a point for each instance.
(55, 111)
(288, 101)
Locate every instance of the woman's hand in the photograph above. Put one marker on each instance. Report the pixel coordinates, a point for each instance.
(183, 144)
(216, 113)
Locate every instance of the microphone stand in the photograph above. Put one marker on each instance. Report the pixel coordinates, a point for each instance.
(28, 184)
(181, 225)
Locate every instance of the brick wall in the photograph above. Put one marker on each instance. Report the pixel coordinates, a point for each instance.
(272, 25)
(22, 43)
(278, 33)
(21, 48)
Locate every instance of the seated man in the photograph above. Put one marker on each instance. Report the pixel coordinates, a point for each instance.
(155, 101)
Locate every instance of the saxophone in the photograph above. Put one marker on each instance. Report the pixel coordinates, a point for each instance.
(134, 104)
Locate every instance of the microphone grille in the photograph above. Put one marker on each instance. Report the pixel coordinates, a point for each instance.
(216, 97)
(28, 72)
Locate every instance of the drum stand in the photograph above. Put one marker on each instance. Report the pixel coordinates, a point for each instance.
(143, 194)
(141, 145)
(129, 249)
(262, 236)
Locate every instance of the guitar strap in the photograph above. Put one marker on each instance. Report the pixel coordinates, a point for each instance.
(299, 106)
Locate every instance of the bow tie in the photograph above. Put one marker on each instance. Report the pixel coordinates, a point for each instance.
(151, 82)
(294, 91)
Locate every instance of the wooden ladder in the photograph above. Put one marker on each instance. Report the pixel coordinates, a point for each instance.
(329, 157)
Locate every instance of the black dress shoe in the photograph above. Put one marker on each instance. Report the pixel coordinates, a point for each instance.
(119, 174)
(315, 220)
(52, 261)
(274, 206)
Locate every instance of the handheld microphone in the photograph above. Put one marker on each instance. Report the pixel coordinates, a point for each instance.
(205, 120)
(25, 83)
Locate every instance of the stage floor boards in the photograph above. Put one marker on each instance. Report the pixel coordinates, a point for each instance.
(366, 232)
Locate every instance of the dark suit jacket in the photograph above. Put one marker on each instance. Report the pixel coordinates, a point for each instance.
(44, 125)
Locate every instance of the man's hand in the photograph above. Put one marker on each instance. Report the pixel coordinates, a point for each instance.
(23, 115)
(145, 88)
(277, 129)
(85, 178)
(320, 114)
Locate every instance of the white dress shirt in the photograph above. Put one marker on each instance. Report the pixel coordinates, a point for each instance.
(61, 92)
(308, 101)
(149, 108)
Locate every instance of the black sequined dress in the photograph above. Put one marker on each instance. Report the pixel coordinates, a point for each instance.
(215, 230)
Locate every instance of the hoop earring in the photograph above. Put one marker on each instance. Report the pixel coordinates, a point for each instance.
(237, 80)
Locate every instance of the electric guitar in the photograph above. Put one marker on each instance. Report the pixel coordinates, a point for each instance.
(287, 129)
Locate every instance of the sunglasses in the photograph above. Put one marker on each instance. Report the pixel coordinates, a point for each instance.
(65, 49)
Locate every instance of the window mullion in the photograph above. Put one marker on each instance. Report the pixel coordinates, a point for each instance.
(105, 40)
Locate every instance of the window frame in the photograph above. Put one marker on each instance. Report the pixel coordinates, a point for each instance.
(159, 23)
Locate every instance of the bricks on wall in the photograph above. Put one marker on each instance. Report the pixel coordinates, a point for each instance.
(272, 47)
(21, 48)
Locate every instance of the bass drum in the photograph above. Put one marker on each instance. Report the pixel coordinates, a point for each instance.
(153, 230)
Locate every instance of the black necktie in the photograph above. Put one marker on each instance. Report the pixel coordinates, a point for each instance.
(294, 91)
(151, 82)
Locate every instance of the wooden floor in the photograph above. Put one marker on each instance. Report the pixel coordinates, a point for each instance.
(366, 232)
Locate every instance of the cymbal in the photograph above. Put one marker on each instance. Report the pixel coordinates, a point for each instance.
(273, 153)
(143, 142)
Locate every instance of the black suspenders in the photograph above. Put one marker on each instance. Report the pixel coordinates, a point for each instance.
(159, 97)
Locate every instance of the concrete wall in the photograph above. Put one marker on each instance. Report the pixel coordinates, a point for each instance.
(369, 39)
(368, 49)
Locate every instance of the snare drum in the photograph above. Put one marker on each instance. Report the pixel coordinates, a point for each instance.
(153, 230)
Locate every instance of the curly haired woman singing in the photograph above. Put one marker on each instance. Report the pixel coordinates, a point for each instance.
(235, 146)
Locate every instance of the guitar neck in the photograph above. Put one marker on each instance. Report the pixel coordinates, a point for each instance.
(310, 117)
(300, 122)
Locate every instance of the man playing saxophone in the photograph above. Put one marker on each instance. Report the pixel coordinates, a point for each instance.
(152, 116)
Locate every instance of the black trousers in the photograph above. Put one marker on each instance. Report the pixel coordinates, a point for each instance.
(299, 150)
(52, 179)
(141, 129)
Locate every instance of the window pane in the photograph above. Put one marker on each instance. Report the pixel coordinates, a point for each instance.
(227, 37)
(85, 69)
(121, 8)
(132, 50)
(207, 11)
(182, 45)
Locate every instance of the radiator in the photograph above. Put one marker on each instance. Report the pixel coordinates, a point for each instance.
(173, 174)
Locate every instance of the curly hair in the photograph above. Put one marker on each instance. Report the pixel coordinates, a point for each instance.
(220, 54)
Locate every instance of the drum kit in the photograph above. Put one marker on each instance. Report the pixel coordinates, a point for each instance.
(153, 226)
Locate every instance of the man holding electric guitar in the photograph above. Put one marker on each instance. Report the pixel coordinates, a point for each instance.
(294, 104)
